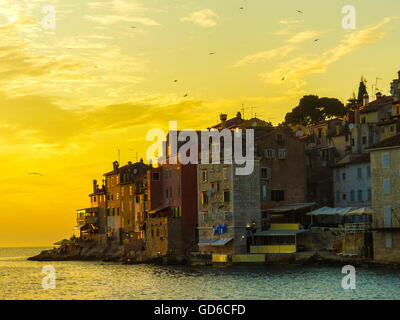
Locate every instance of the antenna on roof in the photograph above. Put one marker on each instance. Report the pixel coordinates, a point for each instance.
(119, 156)
(243, 110)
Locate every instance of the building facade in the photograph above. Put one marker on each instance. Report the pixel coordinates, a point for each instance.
(229, 208)
(385, 165)
(352, 181)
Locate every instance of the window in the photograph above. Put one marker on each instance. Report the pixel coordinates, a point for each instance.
(117, 195)
(364, 140)
(344, 176)
(352, 142)
(279, 139)
(352, 195)
(391, 128)
(204, 175)
(226, 173)
(226, 196)
(217, 187)
(388, 240)
(266, 173)
(359, 173)
(344, 197)
(386, 186)
(383, 129)
(368, 172)
(363, 119)
(277, 195)
(360, 195)
(264, 192)
(337, 175)
(130, 190)
(122, 191)
(269, 153)
(156, 176)
(117, 211)
(170, 192)
(386, 160)
(388, 217)
(282, 154)
(204, 197)
(137, 199)
(369, 195)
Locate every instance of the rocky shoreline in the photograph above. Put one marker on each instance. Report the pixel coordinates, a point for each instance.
(117, 254)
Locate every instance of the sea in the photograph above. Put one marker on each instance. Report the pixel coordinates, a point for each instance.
(21, 279)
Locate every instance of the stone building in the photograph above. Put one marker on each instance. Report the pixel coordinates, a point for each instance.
(352, 181)
(171, 225)
(229, 208)
(385, 166)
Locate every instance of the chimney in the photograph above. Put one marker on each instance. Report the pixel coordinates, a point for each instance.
(141, 160)
(115, 165)
(223, 118)
(129, 162)
(365, 99)
(378, 95)
(95, 186)
(239, 116)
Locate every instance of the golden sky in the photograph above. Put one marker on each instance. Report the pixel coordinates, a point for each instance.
(70, 97)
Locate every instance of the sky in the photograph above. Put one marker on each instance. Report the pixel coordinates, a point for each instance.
(73, 95)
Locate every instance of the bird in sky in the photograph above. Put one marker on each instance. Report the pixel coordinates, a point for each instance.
(185, 95)
(316, 40)
(299, 11)
(175, 80)
(133, 27)
(212, 53)
(36, 173)
(241, 8)
(283, 78)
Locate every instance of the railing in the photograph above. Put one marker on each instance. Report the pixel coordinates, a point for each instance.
(357, 227)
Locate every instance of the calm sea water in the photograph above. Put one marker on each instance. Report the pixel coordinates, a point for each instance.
(22, 279)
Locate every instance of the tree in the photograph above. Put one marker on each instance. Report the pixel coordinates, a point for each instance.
(312, 109)
(362, 90)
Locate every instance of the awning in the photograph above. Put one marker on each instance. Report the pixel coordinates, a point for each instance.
(159, 209)
(221, 241)
(348, 211)
(280, 232)
(78, 226)
(291, 207)
(360, 211)
(215, 242)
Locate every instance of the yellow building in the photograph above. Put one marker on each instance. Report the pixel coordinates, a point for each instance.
(385, 160)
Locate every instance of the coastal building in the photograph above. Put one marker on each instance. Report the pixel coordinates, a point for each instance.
(326, 143)
(352, 181)
(125, 200)
(171, 223)
(385, 160)
(395, 88)
(283, 167)
(365, 130)
(229, 208)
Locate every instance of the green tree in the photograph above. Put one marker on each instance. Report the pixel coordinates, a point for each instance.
(312, 109)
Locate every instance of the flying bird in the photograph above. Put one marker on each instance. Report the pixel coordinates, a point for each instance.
(241, 8)
(316, 40)
(185, 95)
(175, 80)
(212, 53)
(133, 27)
(283, 78)
(299, 11)
(39, 174)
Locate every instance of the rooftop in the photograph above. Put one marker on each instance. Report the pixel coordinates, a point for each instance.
(392, 142)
